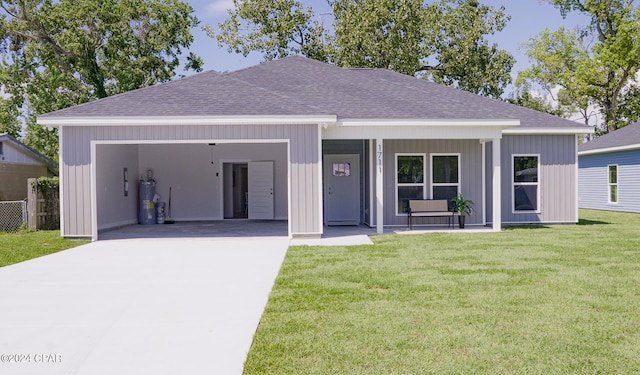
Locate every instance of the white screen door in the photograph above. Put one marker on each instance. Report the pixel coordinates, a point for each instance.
(261, 190)
(342, 189)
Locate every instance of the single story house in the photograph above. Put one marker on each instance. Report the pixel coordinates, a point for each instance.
(313, 144)
(18, 163)
(609, 171)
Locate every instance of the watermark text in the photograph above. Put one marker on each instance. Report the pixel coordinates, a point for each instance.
(30, 358)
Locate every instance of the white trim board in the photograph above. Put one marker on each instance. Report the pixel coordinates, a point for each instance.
(55, 121)
(610, 149)
(62, 182)
(390, 131)
(502, 123)
(538, 185)
(550, 131)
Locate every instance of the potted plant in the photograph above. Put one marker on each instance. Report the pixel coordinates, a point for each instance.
(463, 207)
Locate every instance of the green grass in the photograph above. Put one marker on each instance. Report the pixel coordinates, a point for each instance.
(24, 245)
(534, 300)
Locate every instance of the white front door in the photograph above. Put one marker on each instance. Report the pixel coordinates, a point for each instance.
(341, 189)
(260, 190)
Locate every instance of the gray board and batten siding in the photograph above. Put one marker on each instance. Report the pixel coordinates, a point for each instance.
(557, 175)
(470, 167)
(75, 141)
(594, 181)
(557, 178)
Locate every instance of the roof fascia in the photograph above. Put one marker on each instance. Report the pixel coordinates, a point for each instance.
(609, 149)
(554, 131)
(429, 122)
(184, 120)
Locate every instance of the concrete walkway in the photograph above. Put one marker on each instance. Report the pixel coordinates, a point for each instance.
(137, 306)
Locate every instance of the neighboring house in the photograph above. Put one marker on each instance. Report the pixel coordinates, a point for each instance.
(609, 171)
(314, 144)
(19, 162)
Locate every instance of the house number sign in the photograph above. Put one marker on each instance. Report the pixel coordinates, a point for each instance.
(380, 157)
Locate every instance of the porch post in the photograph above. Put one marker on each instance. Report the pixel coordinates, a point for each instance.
(497, 185)
(483, 143)
(379, 187)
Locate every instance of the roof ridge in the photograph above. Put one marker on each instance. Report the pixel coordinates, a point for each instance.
(301, 103)
(251, 84)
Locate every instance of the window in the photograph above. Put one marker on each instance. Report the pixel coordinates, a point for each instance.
(526, 183)
(342, 169)
(445, 176)
(613, 184)
(410, 182)
(0, 148)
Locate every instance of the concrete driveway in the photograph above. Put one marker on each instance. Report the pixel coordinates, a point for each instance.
(137, 306)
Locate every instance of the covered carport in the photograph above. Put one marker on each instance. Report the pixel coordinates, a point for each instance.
(139, 143)
(207, 182)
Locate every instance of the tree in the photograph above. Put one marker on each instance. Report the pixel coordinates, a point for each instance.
(9, 119)
(58, 54)
(526, 98)
(386, 34)
(464, 57)
(629, 108)
(595, 66)
(275, 28)
(556, 56)
(444, 41)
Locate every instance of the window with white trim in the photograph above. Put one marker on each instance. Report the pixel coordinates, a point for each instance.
(613, 183)
(410, 181)
(526, 185)
(445, 176)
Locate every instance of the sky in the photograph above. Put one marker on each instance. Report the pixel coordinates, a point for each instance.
(528, 18)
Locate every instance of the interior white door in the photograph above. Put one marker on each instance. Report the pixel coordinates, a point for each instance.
(261, 190)
(342, 189)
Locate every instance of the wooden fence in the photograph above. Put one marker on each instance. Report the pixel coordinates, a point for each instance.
(43, 207)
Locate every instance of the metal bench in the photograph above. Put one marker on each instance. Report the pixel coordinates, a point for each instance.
(429, 208)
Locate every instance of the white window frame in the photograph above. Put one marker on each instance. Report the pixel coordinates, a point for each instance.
(514, 184)
(397, 184)
(432, 184)
(610, 184)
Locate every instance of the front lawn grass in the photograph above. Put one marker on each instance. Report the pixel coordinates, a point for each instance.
(24, 245)
(529, 300)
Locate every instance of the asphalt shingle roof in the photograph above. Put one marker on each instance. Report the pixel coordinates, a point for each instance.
(627, 136)
(299, 86)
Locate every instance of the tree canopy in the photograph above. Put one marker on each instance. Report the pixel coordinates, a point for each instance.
(57, 54)
(595, 65)
(445, 41)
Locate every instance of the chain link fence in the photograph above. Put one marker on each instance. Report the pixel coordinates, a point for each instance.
(13, 215)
